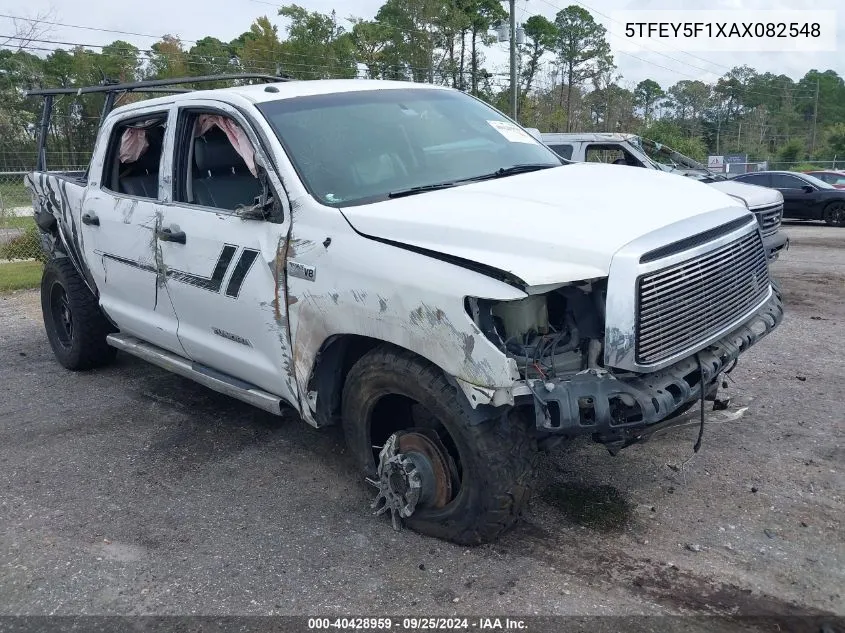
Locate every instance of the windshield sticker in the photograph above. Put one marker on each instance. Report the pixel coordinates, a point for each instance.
(512, 132)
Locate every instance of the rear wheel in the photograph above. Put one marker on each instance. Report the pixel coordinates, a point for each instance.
(76, 327)
(834, 213)
(434, 468)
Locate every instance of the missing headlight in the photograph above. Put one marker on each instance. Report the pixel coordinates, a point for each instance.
(548, 335)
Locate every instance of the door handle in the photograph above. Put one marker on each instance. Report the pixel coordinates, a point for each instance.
(168, 235)
(90, 219)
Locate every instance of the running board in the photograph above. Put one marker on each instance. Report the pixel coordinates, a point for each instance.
(199, 373)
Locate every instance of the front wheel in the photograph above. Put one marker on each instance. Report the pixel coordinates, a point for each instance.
(76, 327)
(434, 468)
(834, 214)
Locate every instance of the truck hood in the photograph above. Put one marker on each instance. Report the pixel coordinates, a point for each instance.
(551, 226)
(752, 195)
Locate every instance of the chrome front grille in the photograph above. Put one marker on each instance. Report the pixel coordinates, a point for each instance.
(769, 218)
(685, 304)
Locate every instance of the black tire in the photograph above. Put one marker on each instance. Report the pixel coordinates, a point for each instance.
(75, 325)
(496, 458)
(834, 213)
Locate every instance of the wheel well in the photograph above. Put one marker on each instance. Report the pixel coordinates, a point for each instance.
(336, 357)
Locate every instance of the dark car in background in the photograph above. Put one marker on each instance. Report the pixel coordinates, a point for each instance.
(830, 176)
(805, 197)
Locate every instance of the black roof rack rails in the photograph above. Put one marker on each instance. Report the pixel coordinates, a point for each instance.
(143, 86)
(111, 89)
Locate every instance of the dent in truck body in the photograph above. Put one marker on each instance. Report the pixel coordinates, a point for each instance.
(365, 288)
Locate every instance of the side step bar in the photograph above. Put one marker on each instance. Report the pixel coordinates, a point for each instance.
(199, 373)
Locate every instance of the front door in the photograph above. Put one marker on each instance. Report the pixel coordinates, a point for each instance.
(796, 201)
(121, 212)
(223, 271)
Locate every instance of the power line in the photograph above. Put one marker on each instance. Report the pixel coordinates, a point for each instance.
(88, 28)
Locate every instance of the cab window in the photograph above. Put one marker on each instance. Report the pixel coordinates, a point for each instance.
(612, 154)
(215, 165)
(563, 150)
(133, 157)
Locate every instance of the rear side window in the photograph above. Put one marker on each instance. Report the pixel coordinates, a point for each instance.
(562, 150)
(133, 158)
(613, 154)
(756, 179)
(785, 181)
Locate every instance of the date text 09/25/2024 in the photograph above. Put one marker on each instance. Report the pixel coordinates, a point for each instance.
(416, 624)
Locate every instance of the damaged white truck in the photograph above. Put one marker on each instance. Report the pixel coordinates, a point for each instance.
(403, 260)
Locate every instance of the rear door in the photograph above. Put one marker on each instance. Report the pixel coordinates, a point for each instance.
(121, 213)
(224, 272)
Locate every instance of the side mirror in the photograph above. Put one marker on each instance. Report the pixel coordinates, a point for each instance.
(808, 188)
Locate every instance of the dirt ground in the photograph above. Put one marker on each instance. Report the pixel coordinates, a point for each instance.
(132, 491)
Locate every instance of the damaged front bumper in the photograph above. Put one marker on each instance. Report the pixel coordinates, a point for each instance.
(618, 409)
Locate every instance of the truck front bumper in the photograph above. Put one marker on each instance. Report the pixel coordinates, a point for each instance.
(617, 409)
(775, 243)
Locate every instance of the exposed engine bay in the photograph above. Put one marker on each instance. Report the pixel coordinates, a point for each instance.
(557, 341)
(549, 335)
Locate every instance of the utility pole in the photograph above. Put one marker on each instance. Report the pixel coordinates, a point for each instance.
(513, 42)
(718, 128)
(514, 89)
(815, 117)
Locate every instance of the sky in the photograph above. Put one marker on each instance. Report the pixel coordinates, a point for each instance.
(226, 19)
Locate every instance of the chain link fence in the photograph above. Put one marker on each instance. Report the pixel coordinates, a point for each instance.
(19, 239)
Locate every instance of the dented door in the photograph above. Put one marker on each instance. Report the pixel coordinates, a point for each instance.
(225, 274)
(227, 285)
(121, 250)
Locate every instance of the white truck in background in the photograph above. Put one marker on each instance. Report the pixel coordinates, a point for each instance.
(635, 151)
(406, 261)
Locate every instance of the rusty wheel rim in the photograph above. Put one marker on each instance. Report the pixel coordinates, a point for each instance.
(438, 483)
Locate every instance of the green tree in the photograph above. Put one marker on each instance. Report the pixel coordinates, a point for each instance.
(792, 152)
(370, 40)
(582, 49)
(210, 56)
(317, 47)
(414, 37)
(168, 59)
(646, 95)
(689, 100)
(541, 35)
(260, 49)
(835, 139)
(484, 14)
(672, 135)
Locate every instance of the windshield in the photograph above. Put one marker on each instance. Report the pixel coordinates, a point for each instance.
(670, 160)
(359, 147)
(817, 182)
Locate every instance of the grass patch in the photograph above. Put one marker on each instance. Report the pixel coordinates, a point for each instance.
(13, 222)
(13, 193)
(20, 275)
(23, 245)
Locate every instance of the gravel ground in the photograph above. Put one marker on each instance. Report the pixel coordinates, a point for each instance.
(132, 491)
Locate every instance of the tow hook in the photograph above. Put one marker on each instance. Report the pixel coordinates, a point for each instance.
(413, 471)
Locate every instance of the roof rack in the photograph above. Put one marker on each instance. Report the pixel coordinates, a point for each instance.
(111, 89)
(143, 86)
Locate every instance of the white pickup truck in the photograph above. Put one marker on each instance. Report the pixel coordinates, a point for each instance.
(636, 151)
(406, 261)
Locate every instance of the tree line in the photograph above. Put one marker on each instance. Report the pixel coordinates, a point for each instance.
(567, 79)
